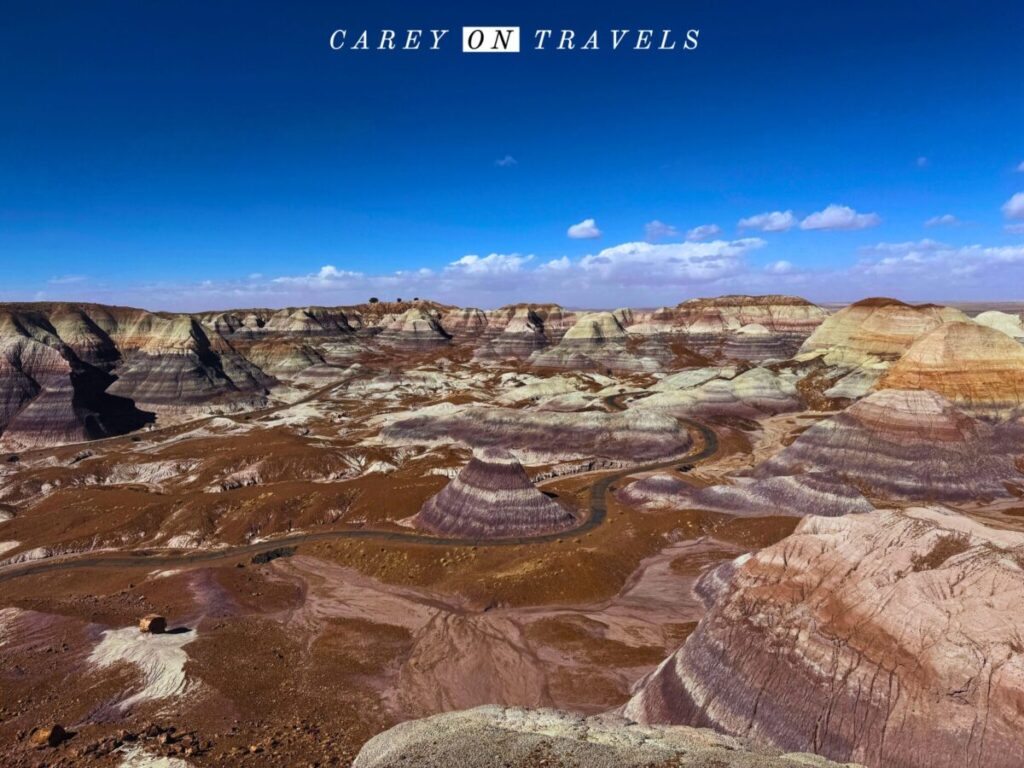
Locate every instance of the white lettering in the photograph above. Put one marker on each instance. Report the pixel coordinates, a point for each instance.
(438, 34)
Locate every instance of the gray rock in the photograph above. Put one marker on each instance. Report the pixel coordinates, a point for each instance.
(493, 737)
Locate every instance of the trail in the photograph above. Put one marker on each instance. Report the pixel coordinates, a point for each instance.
(598, 511)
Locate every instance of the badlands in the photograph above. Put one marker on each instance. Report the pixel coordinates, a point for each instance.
(740, 531)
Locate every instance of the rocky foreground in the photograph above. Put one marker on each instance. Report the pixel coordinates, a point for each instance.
(497, 736)
(891, 638)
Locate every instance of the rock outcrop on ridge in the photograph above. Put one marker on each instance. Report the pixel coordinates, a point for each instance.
(977, 367)
(466, 323)
(492, 498)
(789, 496)
(1011, 325)
(903, 444)
(876, 329)
(416, 328)
(755, 392)
(892, 639)
(518, 330)
(596, 342)
(510, 736)
(708, 323)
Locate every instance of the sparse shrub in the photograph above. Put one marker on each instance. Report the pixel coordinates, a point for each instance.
(943, 549)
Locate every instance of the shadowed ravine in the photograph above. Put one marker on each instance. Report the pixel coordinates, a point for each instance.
(598, 510)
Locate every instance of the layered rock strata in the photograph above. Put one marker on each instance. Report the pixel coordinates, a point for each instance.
(901, 444)
(492, 497)
(596, 342)
(789, 496)
(977, 367)
(876, 329)
(754, 393)
(891, 639)
(415, 329)
(535, 435)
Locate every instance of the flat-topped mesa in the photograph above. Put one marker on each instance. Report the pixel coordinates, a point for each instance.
(498, 736)
(596, 341)
(907, 444)
(415, 329)
(492, 498)
(888, 638)
(1011, 325)
(977, 367)
(876, 329)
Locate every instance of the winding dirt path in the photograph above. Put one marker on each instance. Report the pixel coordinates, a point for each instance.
(598, 511)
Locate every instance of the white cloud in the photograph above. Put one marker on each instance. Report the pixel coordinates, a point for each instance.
(506, 162)
(703, 232)
(1015, 229)
(585, 230)
(659, 230)
(923, 162)
(651, 265)
(67, 279)
(328, 276)
(774, 221)
(781, 267)
(1020, 168)
(935, 261)
(840, 217)
(556, 265)
(946, 219)
(495, 263)
(1014, 207)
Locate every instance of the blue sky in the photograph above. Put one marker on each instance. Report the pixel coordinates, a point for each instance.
(194, 155)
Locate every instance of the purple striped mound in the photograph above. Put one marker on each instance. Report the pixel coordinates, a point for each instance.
(493, 498)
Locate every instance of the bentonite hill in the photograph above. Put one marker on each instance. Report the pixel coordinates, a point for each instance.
(739, 531)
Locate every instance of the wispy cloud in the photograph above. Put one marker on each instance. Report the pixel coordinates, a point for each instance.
(840, 217)
(936, 260)
(659, 230)
(780, 267)
(945, 220)
(773, 221)
(585, 230)
(703, 232)
(1014, 207)
(67, 279)
(506, 162)
(923, 162)
(1020, 168)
